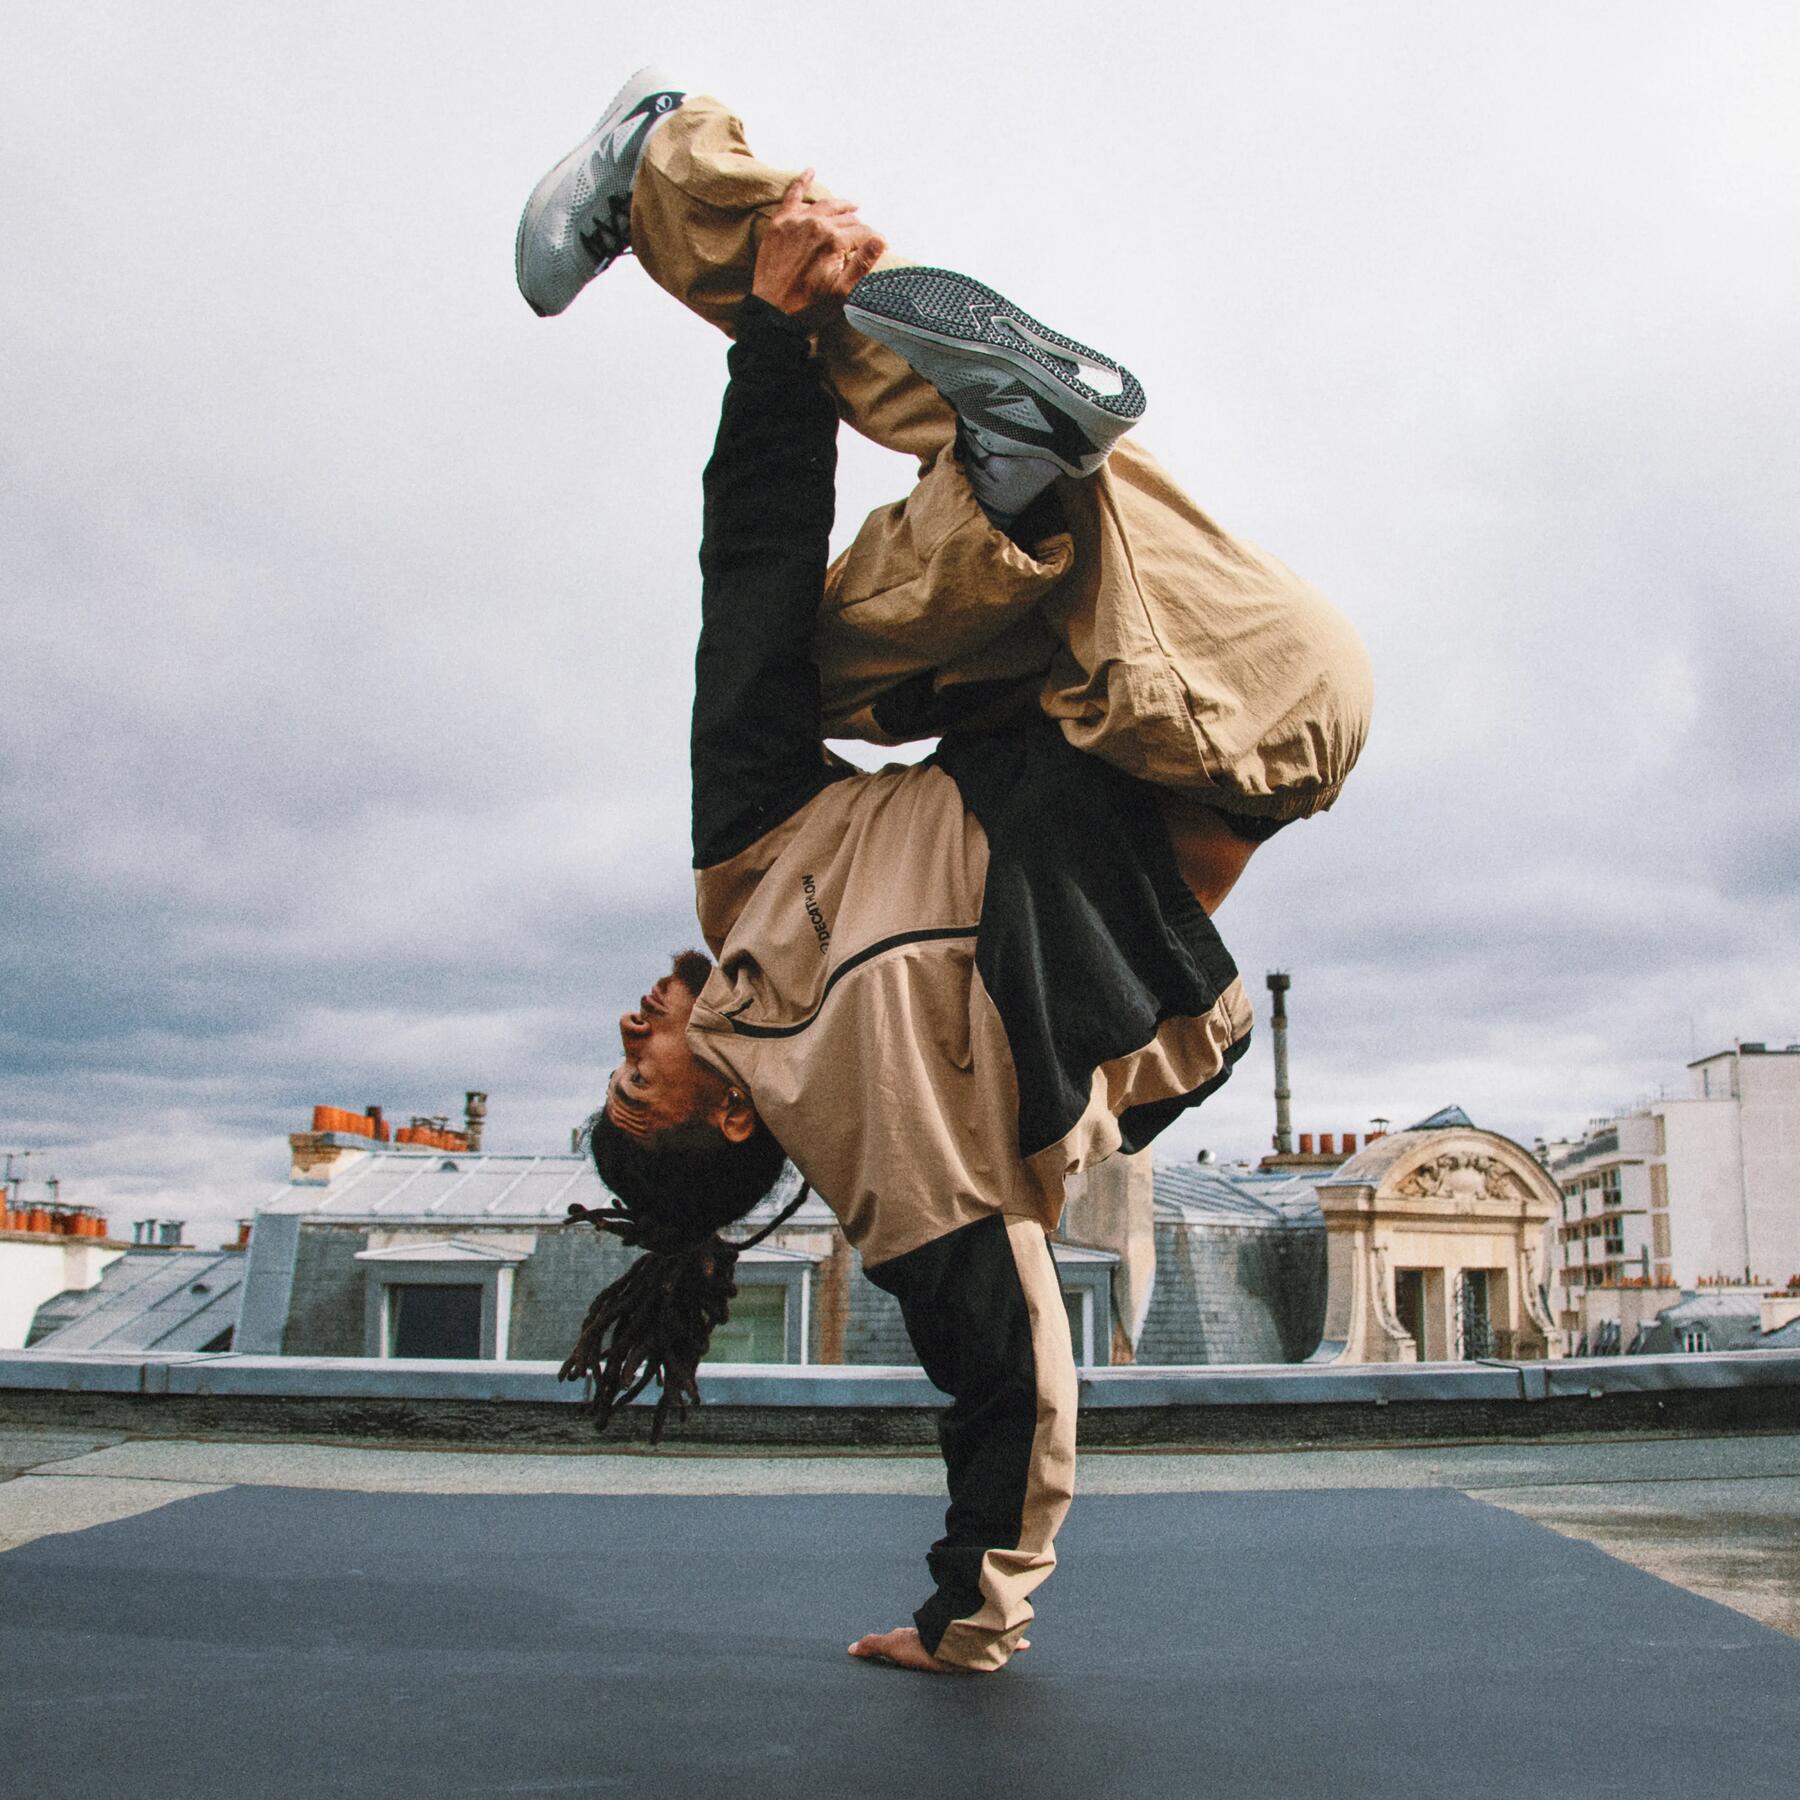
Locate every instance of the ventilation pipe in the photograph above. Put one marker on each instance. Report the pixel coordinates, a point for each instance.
(1284, 1133)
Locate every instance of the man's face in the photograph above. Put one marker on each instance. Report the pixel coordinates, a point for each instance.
(659, 1084)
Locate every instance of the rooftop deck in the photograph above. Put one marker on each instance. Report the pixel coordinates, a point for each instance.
(199, 1617)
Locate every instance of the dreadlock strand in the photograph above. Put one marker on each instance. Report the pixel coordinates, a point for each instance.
(655, 1322)
(654, 1325)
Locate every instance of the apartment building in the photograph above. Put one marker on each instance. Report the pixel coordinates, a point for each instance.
(1701, 1189)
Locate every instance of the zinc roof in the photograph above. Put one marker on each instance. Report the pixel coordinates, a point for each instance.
(445, 1186)
(151, 1300)
(1196, 1193)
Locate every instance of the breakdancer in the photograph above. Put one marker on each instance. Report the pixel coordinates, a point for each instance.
(938, 989)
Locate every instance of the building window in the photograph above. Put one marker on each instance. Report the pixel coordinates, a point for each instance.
(1085, 1277)
(439, 1297)
(1474, 1325)
(1693, 1340)
(429, 1320)
(757, 1331)
(1409, 1305)
(771, 1314)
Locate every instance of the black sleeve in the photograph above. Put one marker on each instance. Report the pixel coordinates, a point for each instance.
(770, 491)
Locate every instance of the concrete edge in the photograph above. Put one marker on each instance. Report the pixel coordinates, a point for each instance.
(788, 1385)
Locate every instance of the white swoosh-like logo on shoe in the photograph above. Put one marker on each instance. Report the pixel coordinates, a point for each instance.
(1101, 377)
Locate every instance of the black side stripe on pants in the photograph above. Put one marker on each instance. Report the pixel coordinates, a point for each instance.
(966, 1314)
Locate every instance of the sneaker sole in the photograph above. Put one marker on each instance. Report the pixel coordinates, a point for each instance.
(637, 88)
(950, 328)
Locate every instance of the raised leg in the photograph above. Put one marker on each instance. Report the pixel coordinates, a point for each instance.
(698, 210)
(1153, 637)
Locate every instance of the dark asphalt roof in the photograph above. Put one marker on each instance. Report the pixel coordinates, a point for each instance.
(281, 1642)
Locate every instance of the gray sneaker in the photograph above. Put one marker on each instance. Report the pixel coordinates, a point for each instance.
(578, 219)
(1018, 388)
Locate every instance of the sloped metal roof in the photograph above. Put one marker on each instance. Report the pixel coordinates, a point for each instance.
(1444, 1119)
(1693, 1309)
(476, 1188)
(402, 1187)
(152, 1300)
(1730, 1321)
(386, 1187)
(1197, 1193)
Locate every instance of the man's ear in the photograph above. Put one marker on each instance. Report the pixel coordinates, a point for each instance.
(736, 1116)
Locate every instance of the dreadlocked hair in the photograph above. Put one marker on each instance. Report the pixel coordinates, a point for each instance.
(655, 1322)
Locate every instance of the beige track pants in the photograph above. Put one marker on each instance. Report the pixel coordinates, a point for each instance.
(1154, 638)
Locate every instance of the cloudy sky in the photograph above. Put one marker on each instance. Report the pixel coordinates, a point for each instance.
(347, 607)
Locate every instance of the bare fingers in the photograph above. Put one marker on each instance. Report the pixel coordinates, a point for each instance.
(845, 264)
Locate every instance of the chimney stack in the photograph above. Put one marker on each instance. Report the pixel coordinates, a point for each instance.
(474, 1117)
(1284, 1134)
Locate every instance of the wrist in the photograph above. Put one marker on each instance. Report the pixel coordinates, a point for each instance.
(758, 322)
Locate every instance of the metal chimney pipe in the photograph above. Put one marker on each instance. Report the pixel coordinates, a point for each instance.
(1284, 1132)
(474, 1117)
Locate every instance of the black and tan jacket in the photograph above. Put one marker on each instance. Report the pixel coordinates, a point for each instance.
(945, 986)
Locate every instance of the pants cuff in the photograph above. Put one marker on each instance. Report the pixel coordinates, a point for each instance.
(933, 1620)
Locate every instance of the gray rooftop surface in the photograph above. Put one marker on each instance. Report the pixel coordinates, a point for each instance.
(313, 1619)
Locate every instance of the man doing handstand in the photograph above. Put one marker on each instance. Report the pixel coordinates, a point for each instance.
(938, 989)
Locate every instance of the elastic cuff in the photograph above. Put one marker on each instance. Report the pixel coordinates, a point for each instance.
(1256, 816)
(763, 328)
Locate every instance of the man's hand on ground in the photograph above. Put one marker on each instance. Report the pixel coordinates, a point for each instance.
(904, 1649)
(813, 252)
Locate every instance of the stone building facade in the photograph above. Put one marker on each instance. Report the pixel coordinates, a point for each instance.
(1435, 1240)
(394, 1252)
(378, 1251)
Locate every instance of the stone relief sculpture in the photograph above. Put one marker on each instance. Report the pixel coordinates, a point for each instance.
(1467, 1175)
(1379, 1287)
(1533, 1297)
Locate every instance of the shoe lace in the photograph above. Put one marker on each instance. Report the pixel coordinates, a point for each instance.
(609, 237)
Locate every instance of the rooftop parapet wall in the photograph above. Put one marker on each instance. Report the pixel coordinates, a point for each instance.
(474, 1402)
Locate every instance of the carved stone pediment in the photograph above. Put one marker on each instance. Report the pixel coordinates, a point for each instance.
(1465, 1176)
(1436, 1203)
